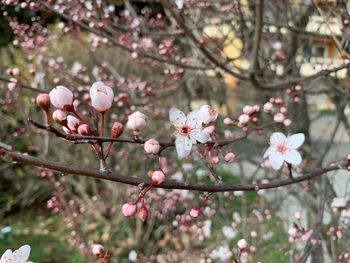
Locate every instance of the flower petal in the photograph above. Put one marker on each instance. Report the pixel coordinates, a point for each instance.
(277, 138)
(269, 151)
(177, 117)
(295, 141)
(200, 135)
(194, 119)
(7, 256)
(293, 157)
(183, 146)
(21, 255)
(276, 160)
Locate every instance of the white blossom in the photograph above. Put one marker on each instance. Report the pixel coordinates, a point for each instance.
(284, 149)
(189, 130)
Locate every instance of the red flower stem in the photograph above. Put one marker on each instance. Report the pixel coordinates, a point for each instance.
(102, 123)
(108, 149)
(142, 194)
(47, 113)
(95, 149)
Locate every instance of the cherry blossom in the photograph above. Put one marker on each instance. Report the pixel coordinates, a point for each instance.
(189, 130)
(283, 148)
(73, 123)
(59, 116)
(152, 146)
(194, 212)
(97, 250)
(20, 255)
(101, 96)
(129, 209)
(158, 177)
(62, 98)
(229, 157)
(136, 121)
(242, 244)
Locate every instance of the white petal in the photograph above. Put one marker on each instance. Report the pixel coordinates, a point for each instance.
(183, 146)
(276, 160)
(200, 135)
(7, 256)
(194, 119)
(177, 117)
(277, 138)
(295, 141)
(292, 156)
(21, 255)
(269, 151)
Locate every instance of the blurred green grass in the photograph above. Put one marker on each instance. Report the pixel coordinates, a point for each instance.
(44, 233)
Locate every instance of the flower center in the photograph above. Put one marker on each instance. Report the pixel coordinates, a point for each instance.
(184, 130)
(281, 148)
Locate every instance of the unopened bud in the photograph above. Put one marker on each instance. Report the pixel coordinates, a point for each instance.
(143, 213)
(84, 129)
(117, 129)
(43, 101)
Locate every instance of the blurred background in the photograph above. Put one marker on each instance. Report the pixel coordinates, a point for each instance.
(159, 54)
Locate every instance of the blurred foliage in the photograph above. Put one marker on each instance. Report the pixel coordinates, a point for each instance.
(45, 234)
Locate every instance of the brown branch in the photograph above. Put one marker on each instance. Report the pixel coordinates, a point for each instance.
(202, 48)
(111, 176)
(286, 84)
(93, 139)
(107, 35)
(259, 12)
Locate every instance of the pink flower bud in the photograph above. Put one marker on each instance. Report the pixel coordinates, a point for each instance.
(129, 209)
(248, 110)
(214, 160)
(84, 129)
(143, 213)
(297, 88)
(11, 85)
(136, 121)
(287, 122)
(244, 118)
(278, 101)
(256, 108)
(228, 121)
(194, 212)
(297, 215)
(101, 96)
(117, 129)
(62, 98)
(67, 131)
(292, 231)
(59, 116)
(73, 123)
(210, 129)
(98, 250)
(268, 106)
(15, 71)
(278, 117)
(242, 244)
(152, 146)
(43, 101)
(283, 110)
(158, 177)
(229, 157)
